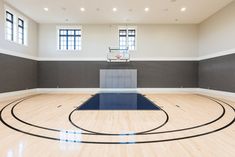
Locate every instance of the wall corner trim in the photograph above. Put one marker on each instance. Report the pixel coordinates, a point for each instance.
(37, 58)
(217, 54)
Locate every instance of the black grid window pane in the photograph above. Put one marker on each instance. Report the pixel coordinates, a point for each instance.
(9, 26)
(131, 32)
(9, 16)
(70, 39)
(63, 32)
(122, 32)
(77, 32)
(71, 32)
(21, 23)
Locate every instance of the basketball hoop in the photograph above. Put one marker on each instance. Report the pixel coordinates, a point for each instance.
(118, 55)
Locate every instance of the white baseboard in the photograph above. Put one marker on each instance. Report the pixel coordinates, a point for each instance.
(166, 90)
(215, 93)
(208, 92)
(17, 54)
(111, 90)
(17, 94)
(68, 90)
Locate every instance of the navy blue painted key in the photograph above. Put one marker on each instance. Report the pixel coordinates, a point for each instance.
(118, 101)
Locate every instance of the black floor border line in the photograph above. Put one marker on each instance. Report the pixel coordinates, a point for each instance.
(138, 142)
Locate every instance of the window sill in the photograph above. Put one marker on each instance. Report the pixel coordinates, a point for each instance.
(69, 51)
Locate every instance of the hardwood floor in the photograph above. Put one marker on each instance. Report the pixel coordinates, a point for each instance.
(192, 126)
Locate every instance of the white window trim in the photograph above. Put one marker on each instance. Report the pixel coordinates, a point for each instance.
(16, 15)
(58, 36)
(136, 34)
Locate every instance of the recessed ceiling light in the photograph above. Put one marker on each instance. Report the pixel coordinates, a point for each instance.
(46, 9)
(114, 9)
(166, 9)
(82, 9)
(183, 9)
(63, 8)
(146, 9)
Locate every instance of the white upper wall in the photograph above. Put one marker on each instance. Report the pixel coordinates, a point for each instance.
(217, 34)
(153, 42)
(20, 50)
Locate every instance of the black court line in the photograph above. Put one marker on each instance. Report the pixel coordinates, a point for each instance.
(137, 142)
(169, 131)
(198, 126)
(58, 130)
(146, 133)
(109, 134)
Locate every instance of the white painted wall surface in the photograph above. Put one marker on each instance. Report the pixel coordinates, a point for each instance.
(217, 33)
(153, 42)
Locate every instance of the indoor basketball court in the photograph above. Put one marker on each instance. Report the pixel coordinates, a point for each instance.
(117, 78)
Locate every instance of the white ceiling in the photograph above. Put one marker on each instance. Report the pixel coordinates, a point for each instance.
(129, 11)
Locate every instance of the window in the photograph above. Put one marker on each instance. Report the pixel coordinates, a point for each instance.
(70, 39)
(9, 26)
(15, 27)
(21, 31)
(127, 38)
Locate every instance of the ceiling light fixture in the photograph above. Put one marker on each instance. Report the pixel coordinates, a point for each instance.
(82, 9)
(183, 9)
(63, 8)
(114, 9)
(46, 9)
(166, 9)
(146, 9)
